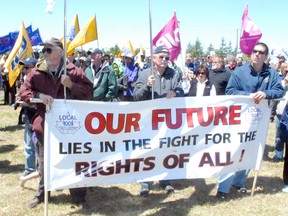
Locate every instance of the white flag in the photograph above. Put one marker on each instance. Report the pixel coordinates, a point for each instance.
(49, 6)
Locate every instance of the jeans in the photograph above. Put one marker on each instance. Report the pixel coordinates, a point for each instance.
(279, 142)
(236, 179)
(29, 149)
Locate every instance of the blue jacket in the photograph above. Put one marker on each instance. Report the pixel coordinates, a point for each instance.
(132, 73)
(245, 80)
(283, 125)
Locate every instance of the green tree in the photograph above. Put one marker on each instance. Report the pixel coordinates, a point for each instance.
(137, 50)
(195, 49)
(189, 48)
(209, 49)
(222, 52)
(114, 50)
(229, 49)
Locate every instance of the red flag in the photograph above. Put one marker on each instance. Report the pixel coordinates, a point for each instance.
(169, 36)
(251, 34)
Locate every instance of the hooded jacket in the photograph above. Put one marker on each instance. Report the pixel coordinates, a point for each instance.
(169, 81)
(106, 87)
(39, 80)
(131, 71)
(122, 81)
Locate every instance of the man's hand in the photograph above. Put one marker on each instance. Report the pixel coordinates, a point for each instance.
(171, 94)
(46, 99)
(66, 81)
(258, 96)
(151, 80)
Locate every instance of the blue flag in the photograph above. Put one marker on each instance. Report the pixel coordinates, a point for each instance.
(14, 35)
(6, 44)
(35, 38)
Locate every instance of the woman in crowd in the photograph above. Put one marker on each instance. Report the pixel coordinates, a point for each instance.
(201, 86)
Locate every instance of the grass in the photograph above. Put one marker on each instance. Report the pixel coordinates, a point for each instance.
(192, 197)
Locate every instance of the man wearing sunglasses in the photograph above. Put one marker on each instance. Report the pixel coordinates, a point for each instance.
(166, 82)
(259, 81)
(47, 81)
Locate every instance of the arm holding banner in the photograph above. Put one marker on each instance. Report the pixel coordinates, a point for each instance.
(261, 82)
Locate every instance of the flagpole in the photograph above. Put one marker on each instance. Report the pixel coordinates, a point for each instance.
(97, 32)
(181, 53)
(65, 48)
(151, 45)
(236, 42)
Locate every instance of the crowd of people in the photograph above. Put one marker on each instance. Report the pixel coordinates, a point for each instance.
(99, 76)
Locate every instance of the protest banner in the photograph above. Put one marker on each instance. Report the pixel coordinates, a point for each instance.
(90, 143)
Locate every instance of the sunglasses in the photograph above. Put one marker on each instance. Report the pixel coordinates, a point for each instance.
(259, 51)
(47, 49)
(27, 67)
(164, 57)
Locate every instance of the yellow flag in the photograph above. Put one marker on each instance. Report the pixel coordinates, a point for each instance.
(73, 31)
(127, 49)
(21, 51)
(138, 56)
(86, 35)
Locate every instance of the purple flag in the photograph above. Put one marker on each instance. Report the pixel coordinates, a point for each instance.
(251, 34)
(169, 36)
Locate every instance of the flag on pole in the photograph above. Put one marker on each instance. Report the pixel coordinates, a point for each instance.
(74, 29)
(87, 34)
(251, 34)
(6, 44)
(169, 36)
(21, 51)
(128, 48)
(35, 38)
(138, 56)
(50, 6)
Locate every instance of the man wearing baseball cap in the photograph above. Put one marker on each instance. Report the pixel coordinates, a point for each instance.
(166, 83)
(102, 76)
(47, 81)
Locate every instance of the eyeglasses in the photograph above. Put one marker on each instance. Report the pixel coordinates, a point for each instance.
(47, 49)
(164, 57)
(259, 51)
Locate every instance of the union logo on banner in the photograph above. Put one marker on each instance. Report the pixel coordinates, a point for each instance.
(68, 124)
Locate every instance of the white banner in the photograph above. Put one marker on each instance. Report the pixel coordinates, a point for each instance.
(89, 143)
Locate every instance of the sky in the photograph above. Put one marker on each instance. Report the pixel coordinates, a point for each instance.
(121, 21)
